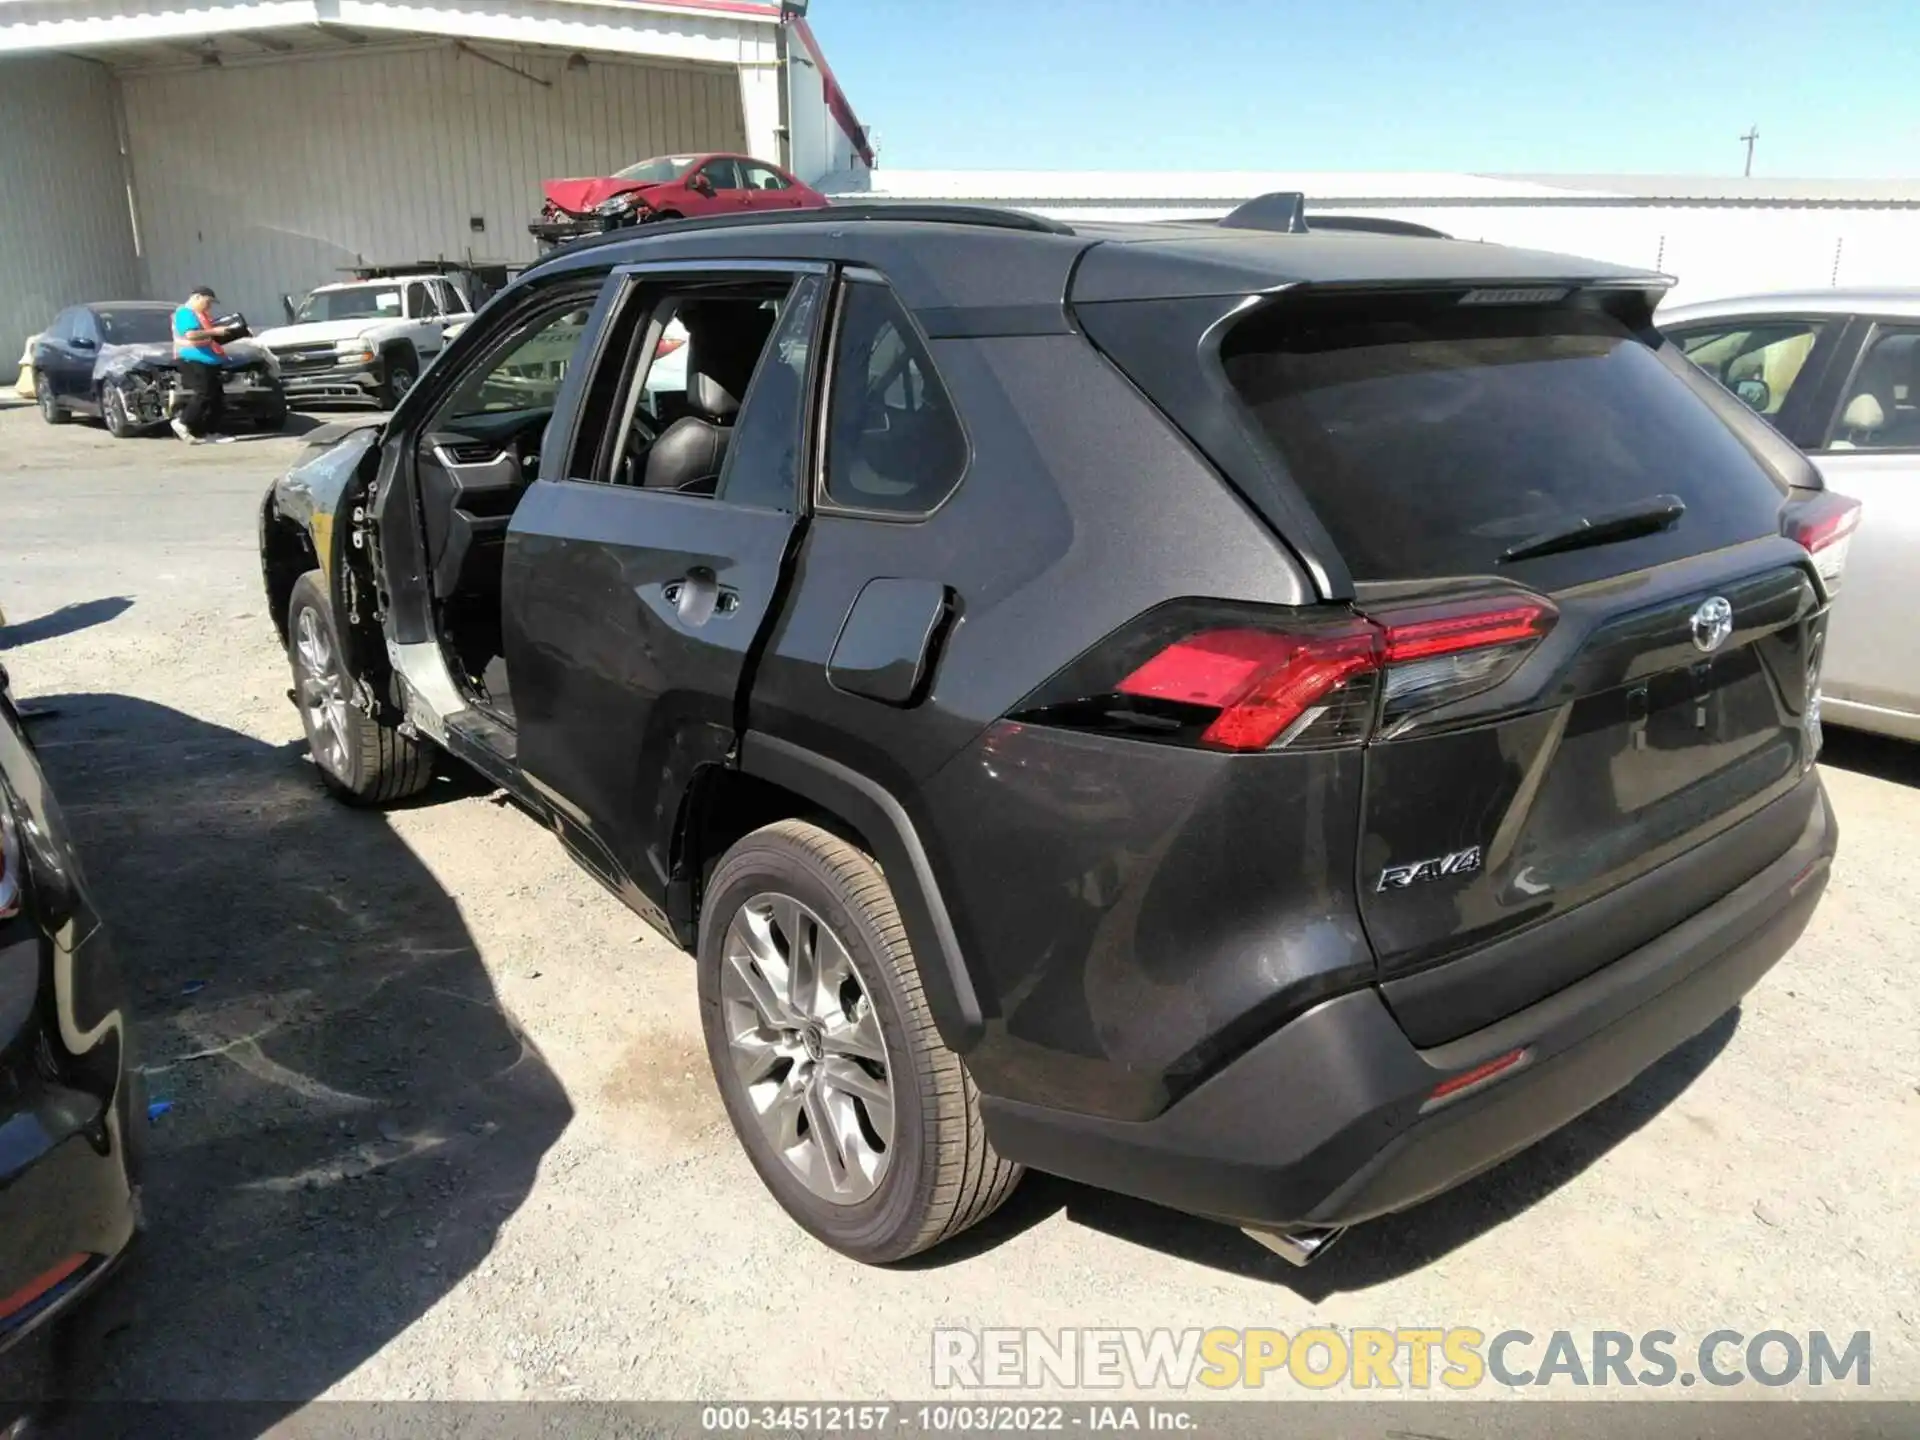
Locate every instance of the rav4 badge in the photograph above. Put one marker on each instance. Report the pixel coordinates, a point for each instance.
(1460, 862)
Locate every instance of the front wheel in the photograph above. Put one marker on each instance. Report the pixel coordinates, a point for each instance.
(401, 371)
(360, 760)
(113, 410)
(865, 1127)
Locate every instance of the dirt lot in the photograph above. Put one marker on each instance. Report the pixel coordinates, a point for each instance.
(442, 1124)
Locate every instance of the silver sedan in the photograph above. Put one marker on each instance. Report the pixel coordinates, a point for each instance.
(1838, 373)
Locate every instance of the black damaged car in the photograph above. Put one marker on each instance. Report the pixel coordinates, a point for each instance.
(1264, 718)
(115, 361)
(72, 1109)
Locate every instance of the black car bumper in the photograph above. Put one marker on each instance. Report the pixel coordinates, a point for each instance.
(1329, 1120)
(69, 1160)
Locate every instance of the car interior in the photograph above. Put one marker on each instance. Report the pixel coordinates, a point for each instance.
(1883, 403)
(662, 419)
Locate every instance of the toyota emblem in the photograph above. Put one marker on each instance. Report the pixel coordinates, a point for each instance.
(1712, 624)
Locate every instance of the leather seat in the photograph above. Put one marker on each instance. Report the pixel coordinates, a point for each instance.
(725, 338)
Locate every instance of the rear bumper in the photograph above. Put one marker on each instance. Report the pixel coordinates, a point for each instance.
(70, 1193)
(1322, 1123)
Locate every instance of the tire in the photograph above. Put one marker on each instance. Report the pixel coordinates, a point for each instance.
(274, 421)
(399, 369)
(936, 1173)
(51, 410)
(113, 413)
(360, 760)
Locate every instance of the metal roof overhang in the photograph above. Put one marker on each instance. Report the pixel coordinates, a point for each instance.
(127, 33)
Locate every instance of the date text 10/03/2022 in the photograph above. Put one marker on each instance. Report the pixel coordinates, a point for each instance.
(959, 1418)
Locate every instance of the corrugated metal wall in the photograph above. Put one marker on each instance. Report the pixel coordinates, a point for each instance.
(64, 230)
(267, 177)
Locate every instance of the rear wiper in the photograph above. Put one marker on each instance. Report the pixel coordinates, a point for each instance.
(1629, 522)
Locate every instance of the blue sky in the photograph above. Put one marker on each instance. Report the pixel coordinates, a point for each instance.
(1834, 85)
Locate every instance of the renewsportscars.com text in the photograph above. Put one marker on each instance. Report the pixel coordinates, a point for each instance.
(1404, 1358)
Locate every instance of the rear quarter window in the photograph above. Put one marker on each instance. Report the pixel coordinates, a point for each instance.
(1432, 438)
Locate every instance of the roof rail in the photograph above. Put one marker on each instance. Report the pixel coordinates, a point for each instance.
(907, 211)
(1282, 210)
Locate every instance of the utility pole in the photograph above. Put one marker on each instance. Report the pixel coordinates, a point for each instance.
(1753, 134)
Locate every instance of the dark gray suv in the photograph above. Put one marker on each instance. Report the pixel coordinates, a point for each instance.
(1268, 718)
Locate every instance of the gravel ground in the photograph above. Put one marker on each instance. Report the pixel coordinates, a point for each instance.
(443, 1125)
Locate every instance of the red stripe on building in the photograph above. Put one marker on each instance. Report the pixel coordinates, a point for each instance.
(837, 103)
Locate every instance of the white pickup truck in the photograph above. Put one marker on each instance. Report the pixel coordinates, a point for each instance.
(366, 341)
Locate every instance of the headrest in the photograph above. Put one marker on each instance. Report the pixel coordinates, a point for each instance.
(1863, 412)
(724, 341)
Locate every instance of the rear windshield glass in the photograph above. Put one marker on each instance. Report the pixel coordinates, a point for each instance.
(1433, 441)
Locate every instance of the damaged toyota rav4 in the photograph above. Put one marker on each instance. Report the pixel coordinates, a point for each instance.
(1264, 718)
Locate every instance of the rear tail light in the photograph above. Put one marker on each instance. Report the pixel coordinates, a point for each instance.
(667, 346)
(1824, 529)
(1234, 678)
(1266, 687)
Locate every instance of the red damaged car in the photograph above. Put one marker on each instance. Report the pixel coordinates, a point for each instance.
(668, 187)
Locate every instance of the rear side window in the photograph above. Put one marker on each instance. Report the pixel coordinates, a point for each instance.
(1431, 442)
(894, 444)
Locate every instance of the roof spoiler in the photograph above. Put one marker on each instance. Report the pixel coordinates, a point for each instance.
(1373, 225)
(1285, 211)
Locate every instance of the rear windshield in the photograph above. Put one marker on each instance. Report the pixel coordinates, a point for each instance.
(1432, 441)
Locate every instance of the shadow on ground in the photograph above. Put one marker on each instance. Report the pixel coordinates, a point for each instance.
(1880, 756)
(1384, 1249)
(68, 619)
(353, 1116)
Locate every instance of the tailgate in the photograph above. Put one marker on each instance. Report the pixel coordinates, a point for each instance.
(1620, 747)
(1549, 455)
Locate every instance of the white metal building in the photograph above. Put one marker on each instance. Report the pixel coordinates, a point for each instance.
(1716, 237)
(261, 146)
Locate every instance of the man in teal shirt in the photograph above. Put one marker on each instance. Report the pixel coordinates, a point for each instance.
(203, 363)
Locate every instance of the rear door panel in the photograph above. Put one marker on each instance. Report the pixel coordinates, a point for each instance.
(1869, 660)
(631, 617)
(620, 675)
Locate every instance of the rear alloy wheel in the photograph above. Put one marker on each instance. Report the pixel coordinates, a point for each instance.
(806, 1048)
(359, 759)
(113, 410)
(863, 1125)
(51, 410)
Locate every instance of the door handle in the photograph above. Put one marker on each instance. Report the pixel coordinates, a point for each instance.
(698, 596)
